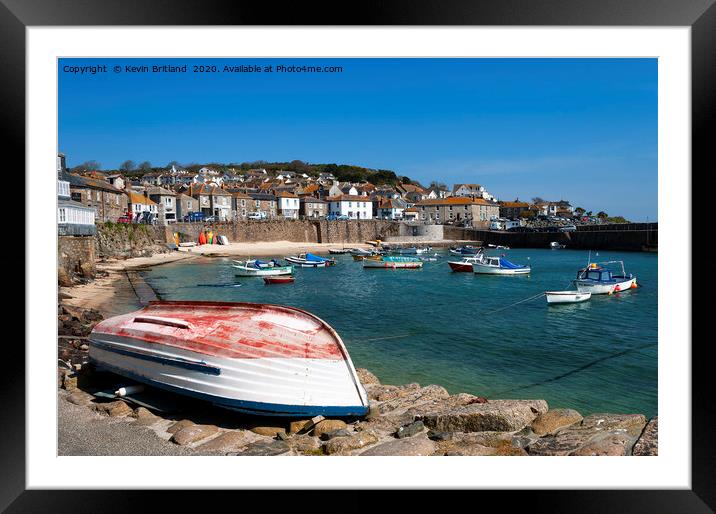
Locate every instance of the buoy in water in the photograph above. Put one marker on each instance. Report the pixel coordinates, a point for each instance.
(633, 285)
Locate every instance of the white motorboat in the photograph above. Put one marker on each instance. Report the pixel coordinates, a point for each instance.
(499, 266)
(260, 359)
(596, 278)
(256, 268)
(555, 297)
(387, 262)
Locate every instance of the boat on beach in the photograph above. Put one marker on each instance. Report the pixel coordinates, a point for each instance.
(284, 279)
(391, 262)
(556, 297)
(499, 266)
(256, 268)
(262, 359)
(597, 278)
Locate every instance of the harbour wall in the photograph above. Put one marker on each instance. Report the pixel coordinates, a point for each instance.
(635, 237)
(304, 231)
(75, 257)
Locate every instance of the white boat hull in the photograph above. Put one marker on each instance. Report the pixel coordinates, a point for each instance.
(555, 297)
(483, 269)
(242, 271)
(594, 287)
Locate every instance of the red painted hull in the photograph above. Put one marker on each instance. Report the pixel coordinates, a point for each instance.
(279, 280)
(461, 267)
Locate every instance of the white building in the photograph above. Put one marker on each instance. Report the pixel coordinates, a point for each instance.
(288, 205)
(73, 218)
(475, 190)
(355, 207)
(139, 204)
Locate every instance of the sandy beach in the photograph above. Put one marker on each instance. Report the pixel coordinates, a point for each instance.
(278, 249)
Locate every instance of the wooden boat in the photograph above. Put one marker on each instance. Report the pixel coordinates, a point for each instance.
(260, 269)
(285, 279)
(308, 260)
(555, 297)
(389, 262)
(254, 358)
(359, 257)
(596, 278)
(499, 266)
(465, 265)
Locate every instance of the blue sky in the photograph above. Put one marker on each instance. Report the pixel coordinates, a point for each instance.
(579, 129)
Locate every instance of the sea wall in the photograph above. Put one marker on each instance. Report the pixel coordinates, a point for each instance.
(75, 258)
(125, 240)
(624, 237)
(305, 231)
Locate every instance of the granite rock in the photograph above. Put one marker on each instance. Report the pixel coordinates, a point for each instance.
(226, 442)
(648, 443)
(366, 377)
(114, 409)
(419, 446)
(497, 415)
(264, 449)
(555, 419)
(193, 433)
(345, 445)
(328, 425)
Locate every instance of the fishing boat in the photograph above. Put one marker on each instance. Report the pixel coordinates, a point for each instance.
(391, 262)
(285, 279)
(256, 268)
(338, 251)
(360, 251)
(597, 278)
(465, 265)
(499, 266)
(410, 251)
(308, 260)
(253, 358)
(554, 245)
(555, 297)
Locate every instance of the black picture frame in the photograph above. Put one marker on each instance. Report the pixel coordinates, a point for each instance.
(16, 15)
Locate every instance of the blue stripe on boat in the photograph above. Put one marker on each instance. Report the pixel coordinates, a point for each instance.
(169, 361)
(247, 407)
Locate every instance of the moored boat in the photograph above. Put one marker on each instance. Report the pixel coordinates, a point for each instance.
(338, 251)
(285, 279)
(465, 265)
(499, 266)
(308, 260)
(390, 262)
(597, 278)
(554, 245)
(466, 250)
(256, 268)
(555, 297)
(253, 358)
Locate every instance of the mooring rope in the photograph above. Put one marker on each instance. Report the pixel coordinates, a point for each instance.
(515, 303)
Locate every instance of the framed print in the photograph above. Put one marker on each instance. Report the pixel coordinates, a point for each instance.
(430, 237)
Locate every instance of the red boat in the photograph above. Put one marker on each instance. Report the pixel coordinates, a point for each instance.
(465, 265)
(286, 279)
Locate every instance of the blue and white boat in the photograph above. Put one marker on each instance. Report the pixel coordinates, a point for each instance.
(499, 266)
(597, 278)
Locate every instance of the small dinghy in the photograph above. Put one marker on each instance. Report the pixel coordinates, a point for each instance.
(555, 297)
(269, 360)
(338, 251)
(499, 266)
(308, 260)
(286, 279)
(256, 268)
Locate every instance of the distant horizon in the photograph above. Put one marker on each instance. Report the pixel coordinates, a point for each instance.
(582, 130)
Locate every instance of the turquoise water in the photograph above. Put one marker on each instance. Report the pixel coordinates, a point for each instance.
(434, 326)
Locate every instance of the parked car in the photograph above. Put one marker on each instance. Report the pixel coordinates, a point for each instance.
(259, 215)
(124, 219)
(521, 229)
(568, 228)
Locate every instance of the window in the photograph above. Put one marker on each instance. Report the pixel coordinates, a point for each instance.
(62, 216)
(243, 203)
(168, 201)
(98, 196)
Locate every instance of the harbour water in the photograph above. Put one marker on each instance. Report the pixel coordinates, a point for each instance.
(458, 330)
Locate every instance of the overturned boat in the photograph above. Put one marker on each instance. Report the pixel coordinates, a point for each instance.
(253, 358)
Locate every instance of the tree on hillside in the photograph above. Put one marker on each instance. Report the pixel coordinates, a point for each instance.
(537, 199)
(145, 166)
(527, 214)
(128, 165)
(173, 163)
(437, 185)
(602, 214)
(87, 166)
(579, 210)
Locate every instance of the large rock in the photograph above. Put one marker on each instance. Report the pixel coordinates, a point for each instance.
(497, 415)
(421, 446)
(296, 426)
(553, 420)
(175, 427)
(79, 397)
(268, 431)
(648, 443)
(411, 397)
(226, 442)
(305, 444)
(410, 429)
(114, 409)
(594, 434)
(63, 278)
(193, 433)
(366, 377)
(328, 425)
(144, 417)
(345, 445)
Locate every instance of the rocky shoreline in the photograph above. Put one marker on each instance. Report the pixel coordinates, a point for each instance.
(403, 420)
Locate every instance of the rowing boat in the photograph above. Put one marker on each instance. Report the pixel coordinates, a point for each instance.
(253, 358)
